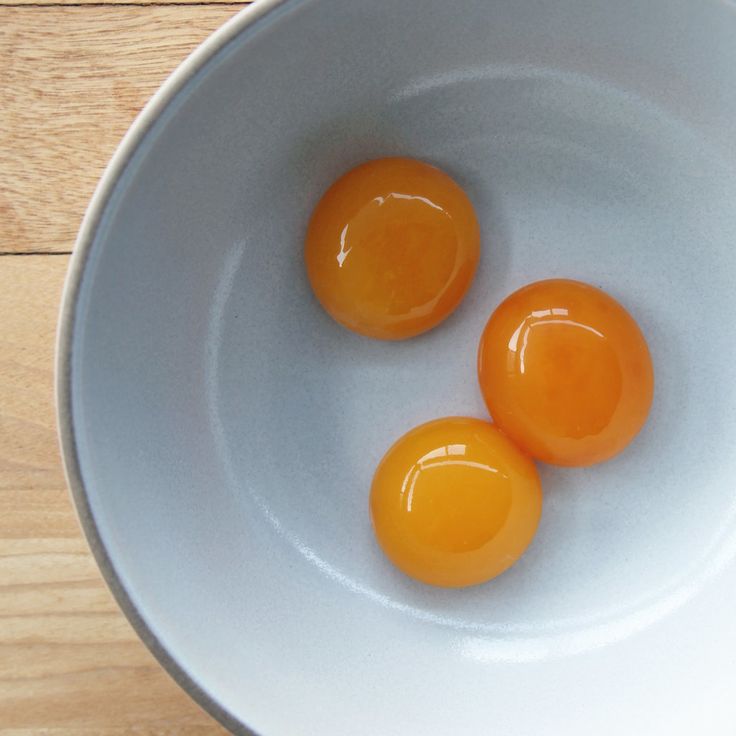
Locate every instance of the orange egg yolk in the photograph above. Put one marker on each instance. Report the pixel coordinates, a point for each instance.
(454, 502)
(392, 248)
(565, 372)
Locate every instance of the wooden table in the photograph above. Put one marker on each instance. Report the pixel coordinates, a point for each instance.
(72, 78)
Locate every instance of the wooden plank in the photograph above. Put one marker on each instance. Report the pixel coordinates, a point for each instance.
(69, 661)
(30, 290)
(73, 80)
(98, 3)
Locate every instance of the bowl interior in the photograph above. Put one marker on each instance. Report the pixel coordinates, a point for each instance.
(227, 430)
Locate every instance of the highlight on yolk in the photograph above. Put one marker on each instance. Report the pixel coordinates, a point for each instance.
(565, 372)
(392, 247)
(454, 502)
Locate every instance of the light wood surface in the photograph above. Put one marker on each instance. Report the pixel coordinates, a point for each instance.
(71, 81)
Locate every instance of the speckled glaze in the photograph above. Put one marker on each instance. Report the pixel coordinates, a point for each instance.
(220, 431)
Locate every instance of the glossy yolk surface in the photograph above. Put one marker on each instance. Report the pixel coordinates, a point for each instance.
(565, 372)
(392, 248)
(454, 502)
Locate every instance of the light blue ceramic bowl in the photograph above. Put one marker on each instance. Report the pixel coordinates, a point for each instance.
(220, 431)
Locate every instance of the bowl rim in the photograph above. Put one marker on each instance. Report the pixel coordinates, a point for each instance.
(249, 17)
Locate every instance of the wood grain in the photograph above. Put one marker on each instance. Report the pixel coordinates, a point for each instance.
(73, 79)
(98, 3)
(69, 661)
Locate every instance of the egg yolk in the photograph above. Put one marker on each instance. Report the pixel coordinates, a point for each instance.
(392, 248)
(565, 372)
(454, 502)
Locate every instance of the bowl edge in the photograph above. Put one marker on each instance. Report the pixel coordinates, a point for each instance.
(249, 17)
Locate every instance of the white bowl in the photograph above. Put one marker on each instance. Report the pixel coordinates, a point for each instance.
(220, 430)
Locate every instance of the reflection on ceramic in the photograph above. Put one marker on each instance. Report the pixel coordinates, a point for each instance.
(220, 430)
